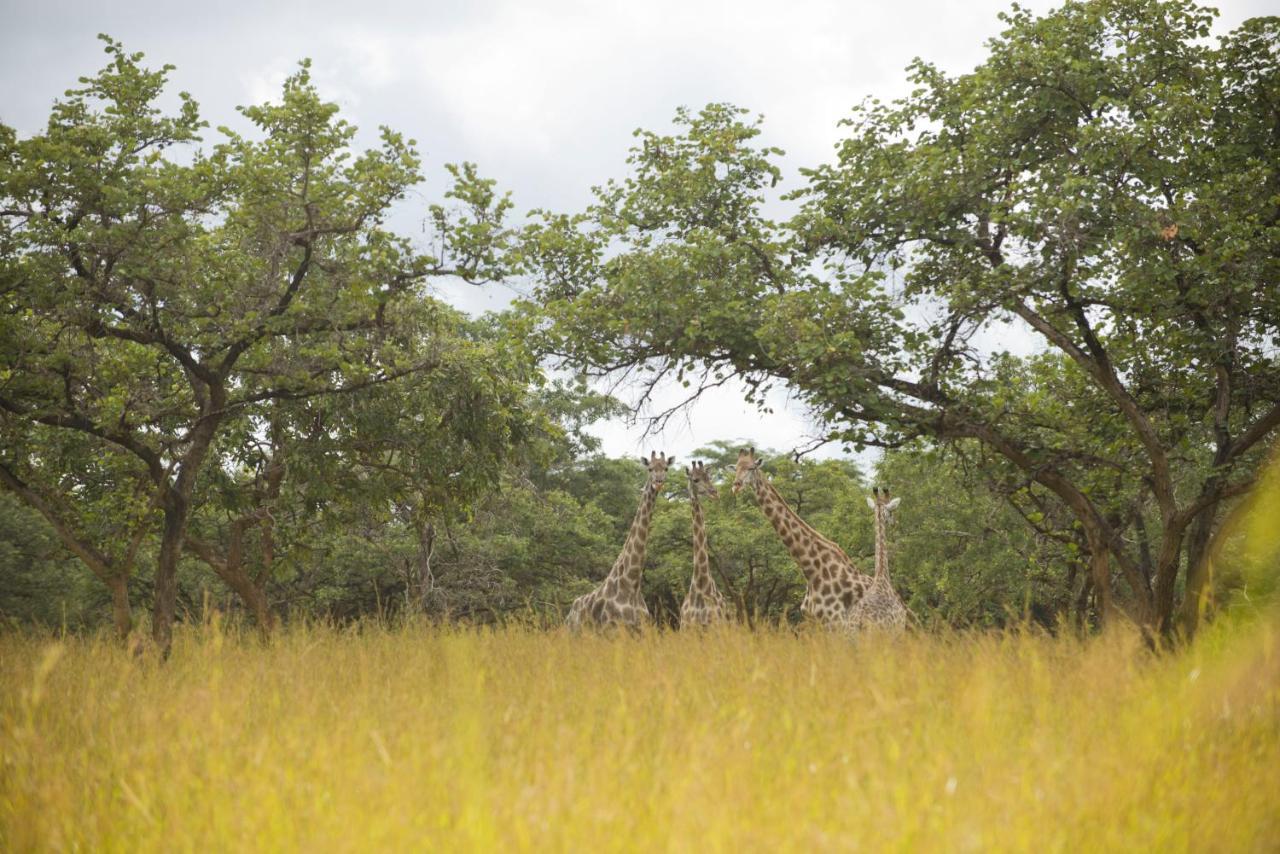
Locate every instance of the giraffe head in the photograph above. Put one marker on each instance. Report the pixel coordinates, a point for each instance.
(747, 471)
(700, 481)
(657, 465)
(879, 498)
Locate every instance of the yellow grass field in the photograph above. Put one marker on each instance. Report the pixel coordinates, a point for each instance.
(417, 738)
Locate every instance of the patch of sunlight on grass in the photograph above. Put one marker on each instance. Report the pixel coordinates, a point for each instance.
(480, 740)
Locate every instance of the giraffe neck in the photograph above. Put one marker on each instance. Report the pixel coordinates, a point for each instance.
(701, 563)
(795, 532)
(630, 565)
(882, 553)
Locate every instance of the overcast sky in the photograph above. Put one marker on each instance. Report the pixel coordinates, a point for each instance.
(543, 96)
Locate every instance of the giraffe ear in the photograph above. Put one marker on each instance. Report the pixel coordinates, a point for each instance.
(892, 504)
(670, 460)
(871, 502)
(758, 464)
(644, 462)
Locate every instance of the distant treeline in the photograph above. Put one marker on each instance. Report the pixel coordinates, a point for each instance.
(960, 553)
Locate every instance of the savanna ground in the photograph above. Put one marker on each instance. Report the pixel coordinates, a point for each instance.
(452, 739)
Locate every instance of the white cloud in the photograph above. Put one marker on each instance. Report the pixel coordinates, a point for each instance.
(373, 57)
(339, 82)
(264, 83)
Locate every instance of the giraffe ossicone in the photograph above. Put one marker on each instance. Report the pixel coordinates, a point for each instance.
(617, 601)
(703, 605)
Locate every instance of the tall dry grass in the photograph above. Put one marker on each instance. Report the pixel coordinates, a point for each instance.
(518, 739)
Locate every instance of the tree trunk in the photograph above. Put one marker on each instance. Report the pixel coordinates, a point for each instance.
(255, 599)
(253, 596)
(121, 616)
(177, 511)
(166, 586)
(424, 581)
(1199, 575)
(1082, 605)
(1100, 574)
(1167, 565)
(114, 573)
(251, 591)
(1205, 555)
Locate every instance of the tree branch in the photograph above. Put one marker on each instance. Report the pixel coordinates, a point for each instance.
(99, 563)
(1097, 365)
(75, 421)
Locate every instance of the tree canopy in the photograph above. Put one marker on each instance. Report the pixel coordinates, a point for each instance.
(157, 303)
(1047, 288)
(1105, 182)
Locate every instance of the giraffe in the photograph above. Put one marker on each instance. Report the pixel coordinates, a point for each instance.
(881, 608)
(703, 605)
(617, 601)
(834, 586)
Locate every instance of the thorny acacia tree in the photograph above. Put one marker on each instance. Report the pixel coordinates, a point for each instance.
(151, 301)
(1106, 181)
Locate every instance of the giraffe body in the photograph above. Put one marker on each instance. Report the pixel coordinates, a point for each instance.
(834, 587)
(881, 608)
(703, 605)
(617, 601)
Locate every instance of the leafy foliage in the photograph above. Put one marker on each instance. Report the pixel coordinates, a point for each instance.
(1104, 181)
(170, 308)
(217, 357)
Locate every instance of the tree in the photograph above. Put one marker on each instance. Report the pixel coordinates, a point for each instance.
(967, 554)
(42, 583)
(468, 500)
(98, 504)
(153, 301)
(1104, 181)
(418, 452)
